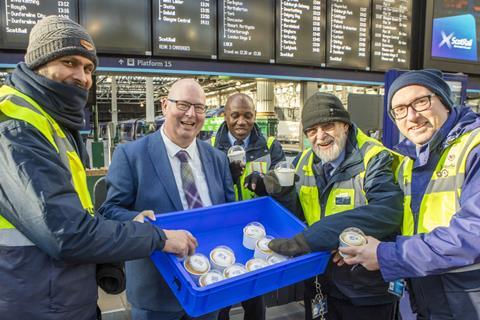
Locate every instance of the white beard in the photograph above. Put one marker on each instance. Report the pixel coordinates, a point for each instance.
(333, 152)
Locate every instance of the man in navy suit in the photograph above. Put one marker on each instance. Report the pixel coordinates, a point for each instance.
(148, 174)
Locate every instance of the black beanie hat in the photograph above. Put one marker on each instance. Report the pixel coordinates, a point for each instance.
(431, 79)
(54, 37)
(323, 108)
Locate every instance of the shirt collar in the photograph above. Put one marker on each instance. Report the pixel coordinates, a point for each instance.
(232, 140)
(172, 148)
(336, 163)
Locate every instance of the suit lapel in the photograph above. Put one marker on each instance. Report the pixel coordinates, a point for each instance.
(208, 170)
(161, 163)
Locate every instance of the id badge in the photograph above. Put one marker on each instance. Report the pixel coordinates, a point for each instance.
(397, 287)
(319, 308)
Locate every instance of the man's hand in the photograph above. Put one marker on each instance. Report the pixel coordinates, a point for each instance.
(254, 182)
(236, 170)
(293, 247)
(337, 258)
(145, 213)
(180, 242)
(365, 255)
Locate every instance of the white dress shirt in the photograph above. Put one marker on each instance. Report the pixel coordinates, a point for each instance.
(195, 162)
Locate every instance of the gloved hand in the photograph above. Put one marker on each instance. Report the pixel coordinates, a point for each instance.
(236, 169)
(254, 182)
(111, 277)
(292, 247)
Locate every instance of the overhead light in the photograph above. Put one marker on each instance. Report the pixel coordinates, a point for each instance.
(141, 104)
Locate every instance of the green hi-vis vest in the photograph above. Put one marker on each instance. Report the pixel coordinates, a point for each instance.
(261, 165)
(342, 192)
(16, 105)
(442, 196)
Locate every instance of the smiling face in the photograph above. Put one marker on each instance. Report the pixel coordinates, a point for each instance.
(73, 70)
(240, 115)
(328, 139)
(419, 127)
(183, 126)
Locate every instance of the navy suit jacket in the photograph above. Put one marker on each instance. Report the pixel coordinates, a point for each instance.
(140, 178)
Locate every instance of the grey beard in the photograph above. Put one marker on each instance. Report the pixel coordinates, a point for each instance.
(334, 152)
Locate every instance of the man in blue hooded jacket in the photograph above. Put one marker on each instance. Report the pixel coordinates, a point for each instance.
(49, 241)
(438, 250)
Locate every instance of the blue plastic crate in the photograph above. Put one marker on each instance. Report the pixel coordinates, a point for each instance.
(223, 225)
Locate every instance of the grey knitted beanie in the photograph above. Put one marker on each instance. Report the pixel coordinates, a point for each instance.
(54, 37)
(323, 108)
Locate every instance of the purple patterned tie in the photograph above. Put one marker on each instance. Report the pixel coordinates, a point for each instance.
(188, 181)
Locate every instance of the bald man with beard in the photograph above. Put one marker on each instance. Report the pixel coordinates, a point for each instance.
(169, 170)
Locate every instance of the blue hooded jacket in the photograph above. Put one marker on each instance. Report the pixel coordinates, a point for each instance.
(444, 248)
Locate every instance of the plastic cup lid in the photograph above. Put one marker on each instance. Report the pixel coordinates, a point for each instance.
(255, 264)
(234, 270)
(254, 230)
(210, 278)
(222, 256)
(276, 258)
(197, 264)
(262, 244)
(353, 237)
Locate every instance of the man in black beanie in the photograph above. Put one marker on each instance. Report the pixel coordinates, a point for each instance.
(346, 180)
(49, 239)
(440, 175)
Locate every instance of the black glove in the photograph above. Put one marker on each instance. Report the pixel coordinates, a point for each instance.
(293, 247)
(111, 277)
(236, 169)
(255, 179)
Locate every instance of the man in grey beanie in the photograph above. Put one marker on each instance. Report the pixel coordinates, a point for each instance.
(49, 240)
(440, 177)
(346, 180)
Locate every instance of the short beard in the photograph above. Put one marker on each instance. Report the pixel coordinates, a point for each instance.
(334, 151)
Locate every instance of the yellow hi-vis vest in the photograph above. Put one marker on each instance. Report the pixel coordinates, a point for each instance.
(342, 192)
(442, 196)
(261, 164)
(16, 105)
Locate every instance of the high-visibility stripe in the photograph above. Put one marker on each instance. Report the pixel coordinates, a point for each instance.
(14, 238)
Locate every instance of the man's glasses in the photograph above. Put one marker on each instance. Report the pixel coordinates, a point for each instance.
(185, 106)
(419, 105)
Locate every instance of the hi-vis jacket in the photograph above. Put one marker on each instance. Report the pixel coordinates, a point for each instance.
(262, 155)
(442, 223)
(362, 193)
(49, 241)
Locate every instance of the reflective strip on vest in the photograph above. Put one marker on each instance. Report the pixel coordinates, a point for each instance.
(442, 195)
(16, 105)
(344, 195)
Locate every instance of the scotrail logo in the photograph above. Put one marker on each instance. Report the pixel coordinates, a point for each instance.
(455, 38)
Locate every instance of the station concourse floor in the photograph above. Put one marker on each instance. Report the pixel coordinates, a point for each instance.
(116, 307)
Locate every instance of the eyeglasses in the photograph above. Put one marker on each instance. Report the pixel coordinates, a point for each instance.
(185, 106)
(419, 105)
(325, 127)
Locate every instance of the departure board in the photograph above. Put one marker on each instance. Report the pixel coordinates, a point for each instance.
(17, 17)
(301, 32)
(185, 28)
(122, 27)
(348, 34)
(246, 30)
(391, 34)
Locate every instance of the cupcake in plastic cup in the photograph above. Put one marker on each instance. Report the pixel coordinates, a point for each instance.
(196, 265)
(276, 258)
(351, 237)
(222, 257)
(251, 233)
(255, 264)
(262, 251)
(237, 153)
(234, 270)
(285, 173)
(210, 278)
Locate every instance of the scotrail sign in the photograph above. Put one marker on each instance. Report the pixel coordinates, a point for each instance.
(455, 38)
